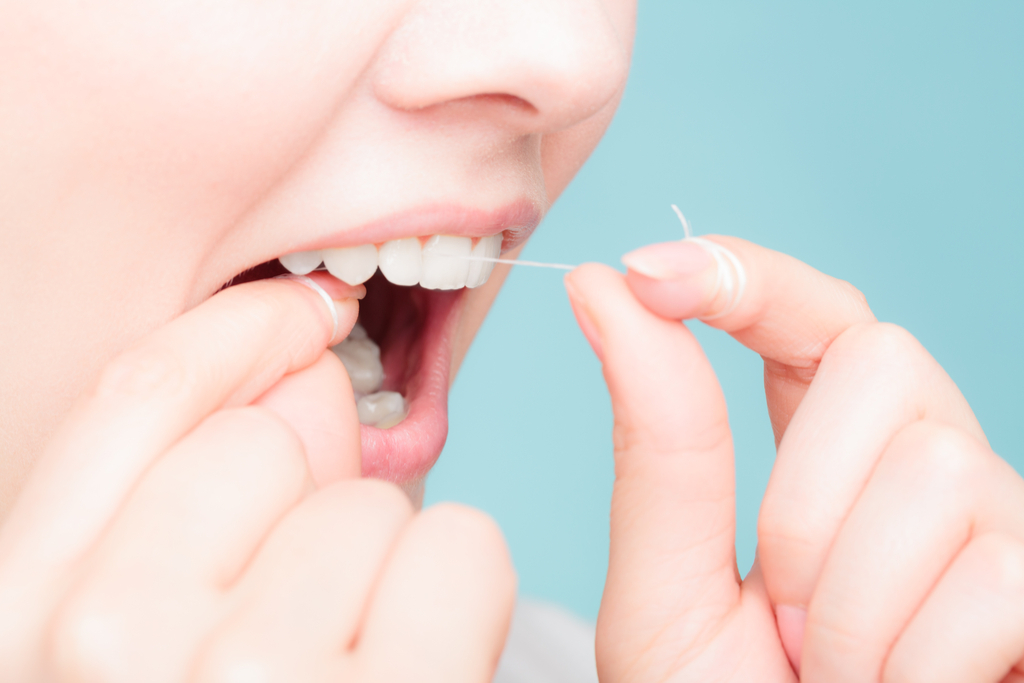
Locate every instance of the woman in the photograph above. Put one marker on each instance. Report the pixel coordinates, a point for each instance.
(181, 482)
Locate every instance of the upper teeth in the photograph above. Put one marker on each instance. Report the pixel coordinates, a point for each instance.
(301, 262)
(439, 263)
(353, 265)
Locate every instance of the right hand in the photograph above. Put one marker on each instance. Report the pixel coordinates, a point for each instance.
(890, 538)
(199, 517)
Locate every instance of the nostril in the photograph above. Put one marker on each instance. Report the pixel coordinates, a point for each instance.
(502, 100)
(496, 102)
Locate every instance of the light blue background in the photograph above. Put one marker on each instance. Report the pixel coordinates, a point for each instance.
(881, 142)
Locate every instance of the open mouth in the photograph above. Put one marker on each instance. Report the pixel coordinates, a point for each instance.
(399, 355)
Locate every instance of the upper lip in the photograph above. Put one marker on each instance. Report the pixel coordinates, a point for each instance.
(517, 220)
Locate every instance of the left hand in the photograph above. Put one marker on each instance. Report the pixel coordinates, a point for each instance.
(891, 537)
(200, 517)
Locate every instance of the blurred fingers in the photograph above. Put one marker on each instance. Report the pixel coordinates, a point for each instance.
(301, 602)
(781, 308)
(224, 352)
(442, 608)
(153, 588)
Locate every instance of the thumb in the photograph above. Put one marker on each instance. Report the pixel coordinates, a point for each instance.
(672, 571)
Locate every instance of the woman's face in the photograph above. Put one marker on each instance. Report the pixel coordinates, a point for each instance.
(152, 151)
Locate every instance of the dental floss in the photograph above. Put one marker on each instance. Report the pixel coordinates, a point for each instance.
(714, 248)
(511, 262)
(308, 282)
(687, 233)
(723, 258)
(724, 277)
(516, 262)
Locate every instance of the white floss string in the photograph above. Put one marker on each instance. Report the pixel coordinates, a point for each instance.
(309, 282)
(516, 262)
(687, 233)
(507, 261)
(730, 274)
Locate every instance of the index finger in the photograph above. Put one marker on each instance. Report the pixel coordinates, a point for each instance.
(227, 351)
(773, 304)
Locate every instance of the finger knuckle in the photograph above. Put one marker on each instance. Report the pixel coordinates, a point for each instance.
(477, 535)
(876, 345)
(784, 525)
(640, 439)
(266, 440)
(937, 453)
(256, 424)
(791, 543)
(231, 660)
(471, 524)
(384, 497)
(1001, 560)
(834, 637)
(88, 641)
(371, 499)
(785, 529)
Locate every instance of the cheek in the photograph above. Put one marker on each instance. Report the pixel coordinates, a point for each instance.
(133, 134)
(205, 103)
(563, 153)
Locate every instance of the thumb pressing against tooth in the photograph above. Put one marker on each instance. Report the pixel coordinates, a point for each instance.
(673, 511)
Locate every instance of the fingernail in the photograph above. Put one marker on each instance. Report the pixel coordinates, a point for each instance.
(791, 621)
(668, 260)
(586, 323)
(347, 291)
(336, 289)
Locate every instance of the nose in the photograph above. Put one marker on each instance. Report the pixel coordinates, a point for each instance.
(538, 65)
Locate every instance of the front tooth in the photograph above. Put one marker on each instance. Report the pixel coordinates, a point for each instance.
(383, 409)
(361, 357)
(301, 262)
(444, 262)
(480, 271)
(354, 265)
(401, 261)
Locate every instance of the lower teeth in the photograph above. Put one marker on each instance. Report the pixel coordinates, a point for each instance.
(361, 356)
(382, 409)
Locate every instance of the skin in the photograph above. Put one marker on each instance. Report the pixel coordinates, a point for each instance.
(170, 452)
(153, 151)
(891, 537)
(181, 510)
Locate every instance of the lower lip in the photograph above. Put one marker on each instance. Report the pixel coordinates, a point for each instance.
(406, 452)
